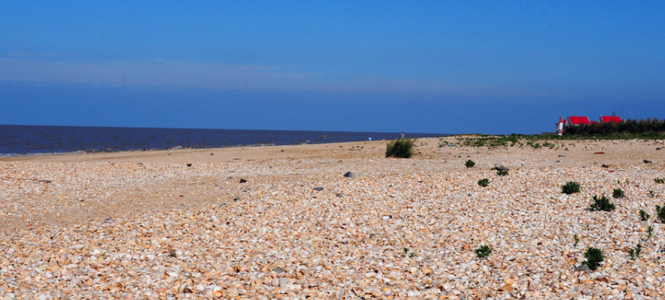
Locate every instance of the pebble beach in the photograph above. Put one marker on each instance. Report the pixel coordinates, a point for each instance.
(284, 222)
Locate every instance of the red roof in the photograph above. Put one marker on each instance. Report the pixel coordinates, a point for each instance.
(610, 119)
(578, 120)
(593, 122)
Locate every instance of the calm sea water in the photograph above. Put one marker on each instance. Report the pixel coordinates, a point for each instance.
(34, 140)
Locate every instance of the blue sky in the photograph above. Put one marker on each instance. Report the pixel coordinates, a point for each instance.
(415, 66)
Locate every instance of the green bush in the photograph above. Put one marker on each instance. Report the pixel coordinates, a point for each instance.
(594, 257)
(570, 187)
(501, 172)
(484, 182)
(659, 180)
(483, 252)
(660, 213)
(618, 193)
(602, 203)
(469, 163)
(400, 148)
(644, 216)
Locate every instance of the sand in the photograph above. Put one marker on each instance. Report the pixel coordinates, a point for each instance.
(141, 225)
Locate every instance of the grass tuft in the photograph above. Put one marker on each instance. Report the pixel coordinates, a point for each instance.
(484, 182)
(570, 187)
(469, 163)
(618, 193)
(483, 251)
(594, 257)
(602, 203)
(400, 148)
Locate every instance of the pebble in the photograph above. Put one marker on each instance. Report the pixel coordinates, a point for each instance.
(330, 247)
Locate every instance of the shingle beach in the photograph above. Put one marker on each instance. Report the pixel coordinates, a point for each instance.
(145, 225)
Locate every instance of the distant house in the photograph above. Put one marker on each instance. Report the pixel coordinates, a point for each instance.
(610, 119)
(577, 120)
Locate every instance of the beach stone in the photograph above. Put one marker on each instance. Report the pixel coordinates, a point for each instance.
(189, 165)
(318, 188)
(584, 268)
(78, 247)
(349, 174)
(283, 282)
(278, 270)
(561, 155)
(646, 161)
(242, 180)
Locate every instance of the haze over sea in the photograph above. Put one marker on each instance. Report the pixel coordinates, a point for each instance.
(34, 140)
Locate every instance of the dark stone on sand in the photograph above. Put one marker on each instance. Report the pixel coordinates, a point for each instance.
(236, 198)
(501, 168)
(243, 180)
(212, 154)
(189, 165)
(558, 161)
(646, 161)
(349, 174)
(318, 188)
(605, 166)
(658, 148)
(599, 152)
(561, 155)
(278, 270)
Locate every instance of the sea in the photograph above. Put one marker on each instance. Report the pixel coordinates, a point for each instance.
(17, 140)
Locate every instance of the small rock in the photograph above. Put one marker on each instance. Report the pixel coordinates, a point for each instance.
(78, 247)
(599, 153)
(349, 174)
(189, 165)
(387, 217)
(278, 270)
(340, 195)
(561, 155)
(236, 198)
(558, 161)
(646, 161)
(584, 268)
(318, 188)
(243, 180)
(658, 148)
(212, 154)
(283, 282)
(605, 166)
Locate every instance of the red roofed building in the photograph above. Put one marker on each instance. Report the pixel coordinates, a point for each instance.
(610, 119)
(577, 120)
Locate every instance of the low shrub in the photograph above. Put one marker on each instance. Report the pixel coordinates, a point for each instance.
(660, 213)
(659, 180)
(644, 216)
(400, 148)
(618, 193)
(484, 182)
(594, 257)
(570, 187)
(483, 251)
(469, 163)
(501, 172)
(602, 203)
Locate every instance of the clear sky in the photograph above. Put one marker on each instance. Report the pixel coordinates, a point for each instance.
(414, 66)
